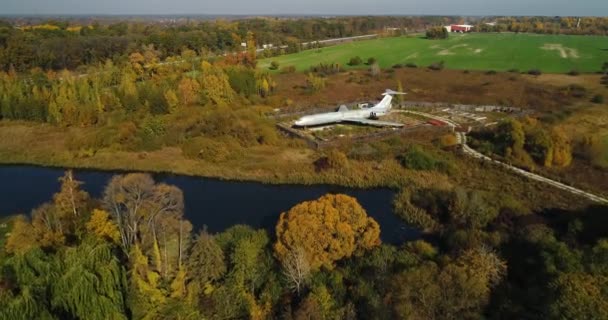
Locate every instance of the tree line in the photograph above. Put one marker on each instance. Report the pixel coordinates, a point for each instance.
(140, 84)
(62, 46)
(545, 25)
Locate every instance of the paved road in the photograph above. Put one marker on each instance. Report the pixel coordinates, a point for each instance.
(462, 139)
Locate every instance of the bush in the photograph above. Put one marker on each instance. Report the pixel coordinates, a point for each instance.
(371, 61)
(573, 73)
(288, 69)
(437, 33)
(274, 65)
(534, 72)
(490, 72)
(411, 65)
(314, 83)
(374, 69)
(326, 68)
(448, 140)
(417, 159)
(397, 66)
(513, 70)
(355, 61)
(336, 159)
(574, 90)
(598, 98)
(437, 66)
(209, 149)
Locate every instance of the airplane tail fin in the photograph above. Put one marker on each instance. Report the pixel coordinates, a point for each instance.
(390, 92)
(385, 104)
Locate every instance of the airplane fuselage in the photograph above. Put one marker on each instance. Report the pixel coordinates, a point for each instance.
(338, 116)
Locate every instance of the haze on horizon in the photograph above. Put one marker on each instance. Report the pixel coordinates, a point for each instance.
(310, 7)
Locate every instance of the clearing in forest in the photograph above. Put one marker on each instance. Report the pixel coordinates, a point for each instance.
(475, 51)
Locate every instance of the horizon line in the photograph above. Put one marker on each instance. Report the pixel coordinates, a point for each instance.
(280, 15)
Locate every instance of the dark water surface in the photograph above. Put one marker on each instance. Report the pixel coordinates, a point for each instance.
(214, 203)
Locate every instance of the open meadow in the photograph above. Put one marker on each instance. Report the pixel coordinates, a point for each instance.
(475, 51)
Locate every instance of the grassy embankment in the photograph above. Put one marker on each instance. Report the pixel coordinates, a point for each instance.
(476, 51)
(43, 145)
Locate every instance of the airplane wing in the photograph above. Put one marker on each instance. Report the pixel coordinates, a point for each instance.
(374, 123)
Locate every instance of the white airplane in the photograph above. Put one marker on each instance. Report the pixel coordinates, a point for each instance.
(367, 116)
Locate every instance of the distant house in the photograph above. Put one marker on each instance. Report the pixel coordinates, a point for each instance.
(462, 28)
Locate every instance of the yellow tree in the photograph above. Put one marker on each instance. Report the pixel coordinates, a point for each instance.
(69, 204)
(399, 98)
(562, 148)
(137, 61)
(172, 100)
(187, 90)
(20, 240)
(251, 49)
(327, 230)
(102, 226)
(70, 199)
(216, 87)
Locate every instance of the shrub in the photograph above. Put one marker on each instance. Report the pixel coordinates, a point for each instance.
(411, 65)
(208, 149)
(412, 214)
(374, 69)
(355, 61)
(397, 66)
(336, 159)
(314, 83)
(437, 66)
(150, 132)
(417, 159)
(274, 65)
(371, 61)
(574, 90)
(437, 33)
(490, 72)
(326, 68)
(534, 72)
(448, 140)
(598, 98)
(288, 69)
(513, 70)
(573, 73)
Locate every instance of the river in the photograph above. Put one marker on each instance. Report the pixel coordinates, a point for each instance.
(208, 202)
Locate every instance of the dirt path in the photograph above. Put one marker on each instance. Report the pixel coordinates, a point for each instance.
(462, 139)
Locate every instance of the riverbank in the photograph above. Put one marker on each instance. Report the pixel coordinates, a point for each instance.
(44, 145)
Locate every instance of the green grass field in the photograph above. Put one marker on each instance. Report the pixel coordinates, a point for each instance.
(476, 51)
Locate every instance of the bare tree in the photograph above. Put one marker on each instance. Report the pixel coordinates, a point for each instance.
(136, 203)
(296, 268)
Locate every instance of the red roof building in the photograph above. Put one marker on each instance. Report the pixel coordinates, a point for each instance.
(462, 28)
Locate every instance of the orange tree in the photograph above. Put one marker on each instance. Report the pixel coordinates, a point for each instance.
(327, 229)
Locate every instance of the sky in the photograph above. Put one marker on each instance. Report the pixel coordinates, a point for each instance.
(303, 7)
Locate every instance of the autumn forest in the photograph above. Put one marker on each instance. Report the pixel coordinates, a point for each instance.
(190, 98)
